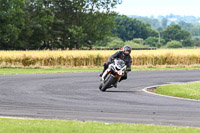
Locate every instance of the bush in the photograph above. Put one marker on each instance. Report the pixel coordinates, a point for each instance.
(138, 40)
(196, 41)
(174, 44)
(154, 42)
(115, 43)
(188, 43)
(136, 45)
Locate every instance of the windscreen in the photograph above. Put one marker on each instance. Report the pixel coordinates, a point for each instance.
(120, 64)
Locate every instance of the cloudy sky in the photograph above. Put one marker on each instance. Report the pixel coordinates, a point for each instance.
(159, 7)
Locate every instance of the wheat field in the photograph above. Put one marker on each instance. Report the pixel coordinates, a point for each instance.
(78, 58)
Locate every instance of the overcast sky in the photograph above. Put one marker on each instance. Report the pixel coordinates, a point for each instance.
(159, 7)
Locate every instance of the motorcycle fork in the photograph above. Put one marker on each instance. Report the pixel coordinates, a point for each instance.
(105, 74)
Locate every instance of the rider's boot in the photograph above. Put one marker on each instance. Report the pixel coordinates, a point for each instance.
(104, 69)
(101, 74)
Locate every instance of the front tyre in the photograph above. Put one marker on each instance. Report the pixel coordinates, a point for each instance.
(110, 80)
(100, 86)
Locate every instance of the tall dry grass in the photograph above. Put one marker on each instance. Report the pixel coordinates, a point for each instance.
(96, 58)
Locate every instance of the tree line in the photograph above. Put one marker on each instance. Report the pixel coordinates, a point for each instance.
(136, 33)
(50, 24)
(74, 24)
(189, 23)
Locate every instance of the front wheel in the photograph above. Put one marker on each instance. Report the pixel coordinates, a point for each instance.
(110, 80)
(100, 86)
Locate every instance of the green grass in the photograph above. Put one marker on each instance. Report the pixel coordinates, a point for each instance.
(58, 126)
(44, 70)
(188, 90)
(166, 68)
(64, 70)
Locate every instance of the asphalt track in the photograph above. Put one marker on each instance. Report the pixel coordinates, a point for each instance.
(75, 96)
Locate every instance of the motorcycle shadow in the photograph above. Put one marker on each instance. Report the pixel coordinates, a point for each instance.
(122, 91)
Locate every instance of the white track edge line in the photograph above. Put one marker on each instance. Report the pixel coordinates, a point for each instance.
(180, 98)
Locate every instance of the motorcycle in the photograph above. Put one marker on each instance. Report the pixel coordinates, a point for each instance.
(112, 75)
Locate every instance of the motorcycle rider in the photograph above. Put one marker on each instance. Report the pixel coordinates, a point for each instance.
(123, 55)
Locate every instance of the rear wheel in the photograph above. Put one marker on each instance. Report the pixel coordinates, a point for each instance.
(109, 81)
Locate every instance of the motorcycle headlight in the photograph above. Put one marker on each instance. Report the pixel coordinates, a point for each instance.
(119, 66)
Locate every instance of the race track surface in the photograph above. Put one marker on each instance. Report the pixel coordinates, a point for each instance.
(75, 96)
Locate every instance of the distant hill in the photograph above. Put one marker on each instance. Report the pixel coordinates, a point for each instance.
(189, 23)
(173, 18)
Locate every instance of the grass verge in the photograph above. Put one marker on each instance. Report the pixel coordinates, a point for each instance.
(4, 71)
(45, 70)
(188, 90)
(58, 126)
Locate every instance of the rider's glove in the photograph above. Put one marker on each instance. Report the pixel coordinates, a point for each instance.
(125, 72)
(128, 69)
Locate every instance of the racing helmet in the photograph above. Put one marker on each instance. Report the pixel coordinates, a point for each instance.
(127, 50)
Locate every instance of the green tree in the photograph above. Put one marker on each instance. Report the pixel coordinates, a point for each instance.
(194, 29)
(38, 24)
(164, 22)
(153, 22)
(82, 23)
(154, 42)
(129, 28)
(174, 32)
(12, 22)
(196, 41)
